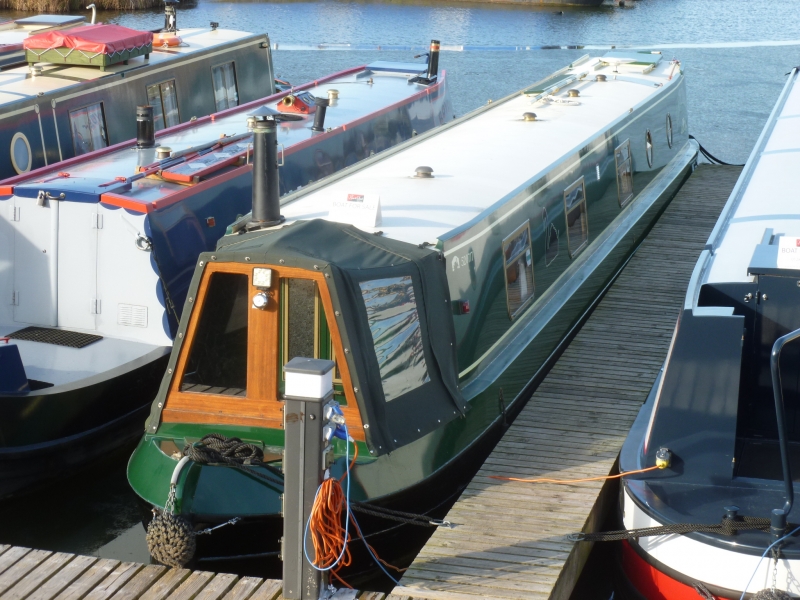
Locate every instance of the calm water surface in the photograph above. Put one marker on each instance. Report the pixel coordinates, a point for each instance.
(735, 54)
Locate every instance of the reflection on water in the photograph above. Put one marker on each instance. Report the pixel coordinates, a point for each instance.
(730, 92)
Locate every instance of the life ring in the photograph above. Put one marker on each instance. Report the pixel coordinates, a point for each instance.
(166, 40)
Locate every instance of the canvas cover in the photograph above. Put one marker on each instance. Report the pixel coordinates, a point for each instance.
(383, 334)
(92, 39)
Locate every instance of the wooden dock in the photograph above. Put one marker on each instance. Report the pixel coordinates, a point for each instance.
(27, 574)
(509, 541)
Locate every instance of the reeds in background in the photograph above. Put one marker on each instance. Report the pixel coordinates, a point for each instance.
(63, 6)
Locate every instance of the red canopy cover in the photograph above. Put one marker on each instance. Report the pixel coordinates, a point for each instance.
(97, 39)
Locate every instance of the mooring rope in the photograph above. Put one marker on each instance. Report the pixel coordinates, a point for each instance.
(215, 448)
(710, 157)
(726, 527)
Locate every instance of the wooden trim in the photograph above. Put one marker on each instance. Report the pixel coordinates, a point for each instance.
(262, 406)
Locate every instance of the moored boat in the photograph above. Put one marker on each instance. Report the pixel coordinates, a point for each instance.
(14, 31)
(440, 277)
(79, 91)
(103, 249)
(725, 405)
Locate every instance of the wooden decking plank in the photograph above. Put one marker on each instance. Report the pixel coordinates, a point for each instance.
(166, 584)
(140, 583)
(11, 556)
(38, 577)
(64, 577)
(21, 568)
(114, 581)
(573, 426)
(85, 583)
(192, 586)
(269, 590)
(244, 588)
(218, 587)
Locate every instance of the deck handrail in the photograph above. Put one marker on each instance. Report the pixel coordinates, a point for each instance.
(777, 392)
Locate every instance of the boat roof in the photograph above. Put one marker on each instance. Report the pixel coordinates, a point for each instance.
(203, 149)
(763, 197)
(484, 158)
(14, 31)
(17, 84)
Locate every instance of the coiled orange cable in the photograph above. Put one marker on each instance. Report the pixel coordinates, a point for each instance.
(564, 481)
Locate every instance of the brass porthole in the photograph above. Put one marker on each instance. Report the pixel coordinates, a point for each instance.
(669, 130)
(21, 155)
(648, 148)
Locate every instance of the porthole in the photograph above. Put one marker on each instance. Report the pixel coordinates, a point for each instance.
(648, 148)
(669, 130)
(21, 157)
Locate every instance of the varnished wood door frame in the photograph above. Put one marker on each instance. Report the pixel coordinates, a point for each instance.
(262, 405)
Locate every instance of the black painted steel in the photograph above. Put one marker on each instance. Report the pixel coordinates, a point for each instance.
(433, 61)
(777, 390)
(145, 127)
(266, 190)
(319, 116)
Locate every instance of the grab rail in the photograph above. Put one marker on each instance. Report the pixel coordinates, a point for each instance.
(777, 392)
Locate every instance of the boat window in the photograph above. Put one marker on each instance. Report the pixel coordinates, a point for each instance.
(88, 126)
(669, 130)
(21, 156)
(577, 219)
(518, 264)
(225, 93)
(648, 148)
(622, 157)
(164, 99)
(217, 362)
(394, 325)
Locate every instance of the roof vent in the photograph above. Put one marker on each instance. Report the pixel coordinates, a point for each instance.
(573, 93)
(528, 116)
(600, 78)
(35, 70)
(333, 94)
(163, 152)
(423, 173)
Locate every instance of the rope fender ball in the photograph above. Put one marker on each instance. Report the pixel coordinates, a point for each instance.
(768, 594)
(171, 539)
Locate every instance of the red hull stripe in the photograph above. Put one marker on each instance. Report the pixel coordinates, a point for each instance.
(652, 583)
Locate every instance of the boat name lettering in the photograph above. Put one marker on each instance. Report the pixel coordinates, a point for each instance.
(462, 261)
(788, 253)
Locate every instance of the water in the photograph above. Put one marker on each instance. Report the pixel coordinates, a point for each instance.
(735, 54)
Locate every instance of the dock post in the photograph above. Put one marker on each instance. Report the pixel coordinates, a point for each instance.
(309, 386)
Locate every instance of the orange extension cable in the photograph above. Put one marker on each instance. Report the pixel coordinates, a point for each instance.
(563, 481)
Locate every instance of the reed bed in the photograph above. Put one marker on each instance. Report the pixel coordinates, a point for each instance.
(64, 6)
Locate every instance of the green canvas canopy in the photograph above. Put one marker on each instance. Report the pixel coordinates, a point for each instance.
(394, 315)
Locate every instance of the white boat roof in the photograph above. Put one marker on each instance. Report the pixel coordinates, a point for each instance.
(18, 84)
(362, 91)
(15, 31)
(485, 156)
(764, 198)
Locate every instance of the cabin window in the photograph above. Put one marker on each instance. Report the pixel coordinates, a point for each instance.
(648, 148)
(622, 156)
(217, 362)
(669, 130)
(21, 156)
(396, 334)
(225, 92)
(88, 128)
(518, 265)
(577, 219)
(164, 99)
(304, 327)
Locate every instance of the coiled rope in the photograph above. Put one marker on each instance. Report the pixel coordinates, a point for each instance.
(218, 449)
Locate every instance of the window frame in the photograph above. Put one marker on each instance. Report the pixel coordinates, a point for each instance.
(623, 202)
(158, 84)
(72, 131)
(668, 127)
(505, 243)
(262, 405)
(579, 183)
(235, 85)
(20, 136)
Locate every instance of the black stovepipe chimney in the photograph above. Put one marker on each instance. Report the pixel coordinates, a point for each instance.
(433, 61)
(319, 116)
(145, 127)
(266, 190)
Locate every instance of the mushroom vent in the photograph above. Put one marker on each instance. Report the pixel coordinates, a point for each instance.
(528, 116)
(423, 173)
(573, 93)
(600, 78)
